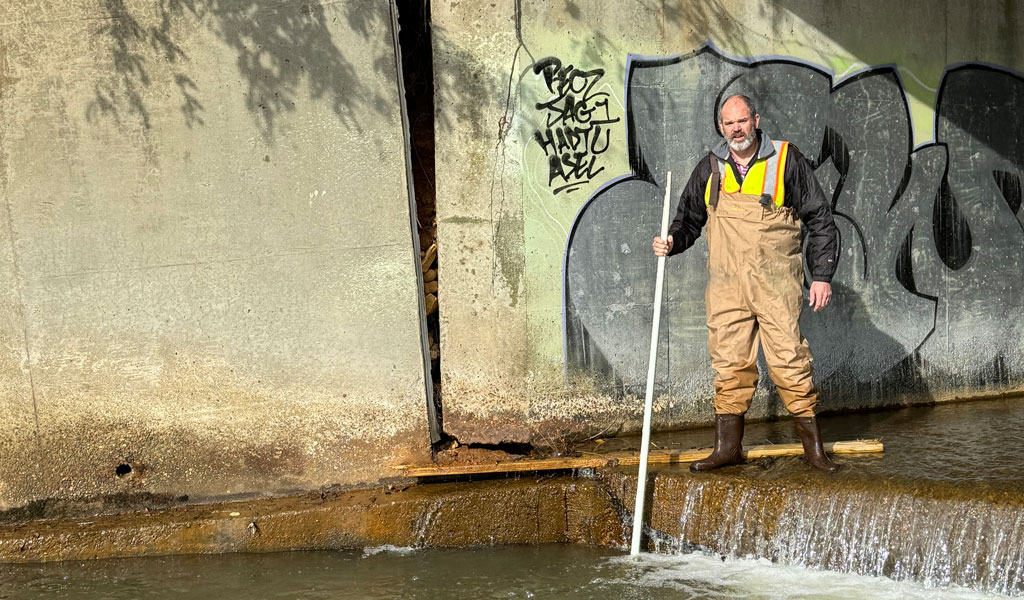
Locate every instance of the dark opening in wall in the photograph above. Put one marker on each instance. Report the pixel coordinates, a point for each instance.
(418, 78)
(123, 470)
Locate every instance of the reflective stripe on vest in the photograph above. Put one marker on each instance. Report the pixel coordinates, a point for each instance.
(766, 177)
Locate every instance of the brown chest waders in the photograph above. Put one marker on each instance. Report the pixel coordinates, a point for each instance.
(754, 292)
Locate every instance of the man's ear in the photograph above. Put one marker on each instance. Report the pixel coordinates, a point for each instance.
(721, 131)
(757, 121)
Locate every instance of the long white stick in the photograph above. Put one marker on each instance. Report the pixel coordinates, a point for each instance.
(641, 478)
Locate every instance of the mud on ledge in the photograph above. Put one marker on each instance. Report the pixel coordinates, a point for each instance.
(513, 511)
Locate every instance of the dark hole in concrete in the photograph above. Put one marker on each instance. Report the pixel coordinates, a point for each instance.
(508, 447)
(123, 470)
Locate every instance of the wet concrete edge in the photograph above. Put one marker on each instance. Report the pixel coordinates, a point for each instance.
(591, 508)
(515, 511)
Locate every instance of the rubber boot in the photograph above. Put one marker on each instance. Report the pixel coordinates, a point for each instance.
(728, 444)
(814, 452)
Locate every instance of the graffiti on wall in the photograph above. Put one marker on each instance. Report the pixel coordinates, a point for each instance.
(931, 237)
(575, 130)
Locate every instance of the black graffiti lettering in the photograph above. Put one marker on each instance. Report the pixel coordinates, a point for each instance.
(556, 141)
(573, 168)
(597, 138)
(569, 138)
(574, 114)
(1009, 186)
(571, 111)
(546, 141)
(930, 236)
(563, 81)
(581, 166)
(573, 138)
(602, 104)
(558, 112)
(555, 169)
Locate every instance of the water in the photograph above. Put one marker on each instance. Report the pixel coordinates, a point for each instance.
(562, 572)
(943, 506)
(973, 543)
(971, 444)
(940, 515)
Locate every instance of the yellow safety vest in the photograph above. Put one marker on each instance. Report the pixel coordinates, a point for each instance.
(765, 178)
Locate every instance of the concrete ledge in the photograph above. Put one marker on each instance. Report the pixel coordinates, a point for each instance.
(533, 511)
(780, 511)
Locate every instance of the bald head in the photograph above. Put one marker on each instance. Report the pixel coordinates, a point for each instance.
(738, 101)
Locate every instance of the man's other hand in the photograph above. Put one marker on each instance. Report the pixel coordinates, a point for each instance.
(662, 247)
(821, 295)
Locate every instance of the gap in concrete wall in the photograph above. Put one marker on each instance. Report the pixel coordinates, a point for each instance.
(418, 74)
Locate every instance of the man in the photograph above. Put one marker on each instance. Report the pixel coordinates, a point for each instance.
(749, 192)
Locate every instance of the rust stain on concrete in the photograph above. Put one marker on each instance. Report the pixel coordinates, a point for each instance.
(591, 510)
(525, 511)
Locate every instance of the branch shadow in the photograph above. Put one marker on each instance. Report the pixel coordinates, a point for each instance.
(284, 53)
(464, 86)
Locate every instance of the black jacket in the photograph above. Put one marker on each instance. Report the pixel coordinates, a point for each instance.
(803, 194)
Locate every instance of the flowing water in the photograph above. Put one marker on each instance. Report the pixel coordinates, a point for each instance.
(943, 506)
(940, 515)
(550, 571)
(938, 541)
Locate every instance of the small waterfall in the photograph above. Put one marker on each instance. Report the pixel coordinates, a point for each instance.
(938, 536)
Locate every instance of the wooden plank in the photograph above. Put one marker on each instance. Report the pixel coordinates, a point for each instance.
(656, 456)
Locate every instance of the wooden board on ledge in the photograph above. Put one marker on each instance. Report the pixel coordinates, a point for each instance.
(655, 456)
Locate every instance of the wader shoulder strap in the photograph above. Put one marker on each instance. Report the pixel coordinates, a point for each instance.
(715, 184)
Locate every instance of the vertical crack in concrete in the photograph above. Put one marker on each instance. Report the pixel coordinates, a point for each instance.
(17, 271)
(504, 126)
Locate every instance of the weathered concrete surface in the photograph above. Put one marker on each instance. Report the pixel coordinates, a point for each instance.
(919, 513)
(545, 255)
(207, 267)
(902, 528)
(483, 326)
(531, 511)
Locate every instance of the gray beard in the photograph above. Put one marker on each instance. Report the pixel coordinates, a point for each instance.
(741, 145)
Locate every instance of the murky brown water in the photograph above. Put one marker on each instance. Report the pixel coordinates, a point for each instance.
(556, 572)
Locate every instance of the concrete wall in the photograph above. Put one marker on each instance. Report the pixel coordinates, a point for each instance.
(205, 247)
(564, 119)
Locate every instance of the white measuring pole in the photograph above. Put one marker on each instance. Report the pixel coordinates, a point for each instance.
(641, 478)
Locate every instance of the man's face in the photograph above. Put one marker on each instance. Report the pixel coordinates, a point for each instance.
(738, 125)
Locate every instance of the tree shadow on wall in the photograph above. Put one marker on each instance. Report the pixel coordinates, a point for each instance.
(712, 16)
(283, 51)
(464, 86)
